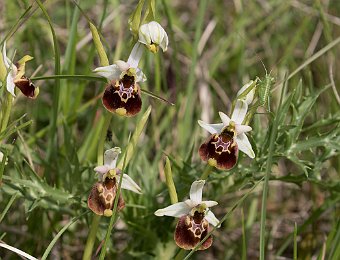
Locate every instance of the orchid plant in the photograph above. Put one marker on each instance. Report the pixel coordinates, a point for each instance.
(194, 218)
(16, 76)
(103, 193)
(227, 138)
(122, 94)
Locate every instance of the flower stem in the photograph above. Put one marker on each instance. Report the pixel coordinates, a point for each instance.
(7, 111)
(91, 238)
(170, 182)
(207, 171)
(100, 161)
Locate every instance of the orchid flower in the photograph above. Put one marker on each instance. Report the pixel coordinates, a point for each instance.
(16, 76)
(221, 148)
(153, 35)
(122, 94)
(194, 218)
(103, 193)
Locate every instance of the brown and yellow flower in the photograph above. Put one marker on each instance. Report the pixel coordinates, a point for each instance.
(103, 193)
(122, 94)
(227, 138)
(194, 218)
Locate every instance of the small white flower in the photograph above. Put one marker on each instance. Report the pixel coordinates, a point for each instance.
(117, 70)
(15, 76)
(234, 124)
(250, 96)
(1, 156)
(189, 206)
(12, 71)
(153, 35)
(109, 167)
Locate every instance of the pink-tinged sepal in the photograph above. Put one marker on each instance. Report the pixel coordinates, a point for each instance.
(123, 97)
(220, 150)
(191, 230)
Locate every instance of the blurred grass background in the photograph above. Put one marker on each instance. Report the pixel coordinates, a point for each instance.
(215, 47)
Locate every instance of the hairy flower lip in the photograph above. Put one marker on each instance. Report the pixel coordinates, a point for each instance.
(223, 158)
(188, 233)
(122, 97)
(234, 125)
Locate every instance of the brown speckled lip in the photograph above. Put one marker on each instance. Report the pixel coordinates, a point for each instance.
(190, 231)
(26, 87)
(123, 94)
(222, 148)
(102, 197)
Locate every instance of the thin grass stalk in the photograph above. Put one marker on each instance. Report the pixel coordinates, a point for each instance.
(53, 141)
(186, 123)
(268, 171)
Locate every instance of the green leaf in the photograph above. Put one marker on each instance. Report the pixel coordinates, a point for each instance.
(135, 18)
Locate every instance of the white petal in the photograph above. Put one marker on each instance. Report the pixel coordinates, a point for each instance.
(225, 119)
(122, 65)
(10, 83)
(129, 184)
(196, 191)
(110, 157)
(165, 42)
(176, 210)
(144, 34)
(250, 96)
(244, 145)
(102, 169)
(211, 128)
(135, 55)
(240, 111)
(209, 203)
(155, 32)
(4, 56)
(140, 76)
(240, 129)
(111, 72)
(210, 217)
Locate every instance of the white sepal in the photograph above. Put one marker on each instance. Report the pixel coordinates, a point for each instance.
(244, 145)
(176, 210)
(111, 72)
(210, 217)
(211, 128)
(225, 119)
(209, 203)
(196, 191)
(240, 129)
(135, 55)
(140, 76)
(129, 184)
(111, 156)
(239, 112)
(10, 83)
